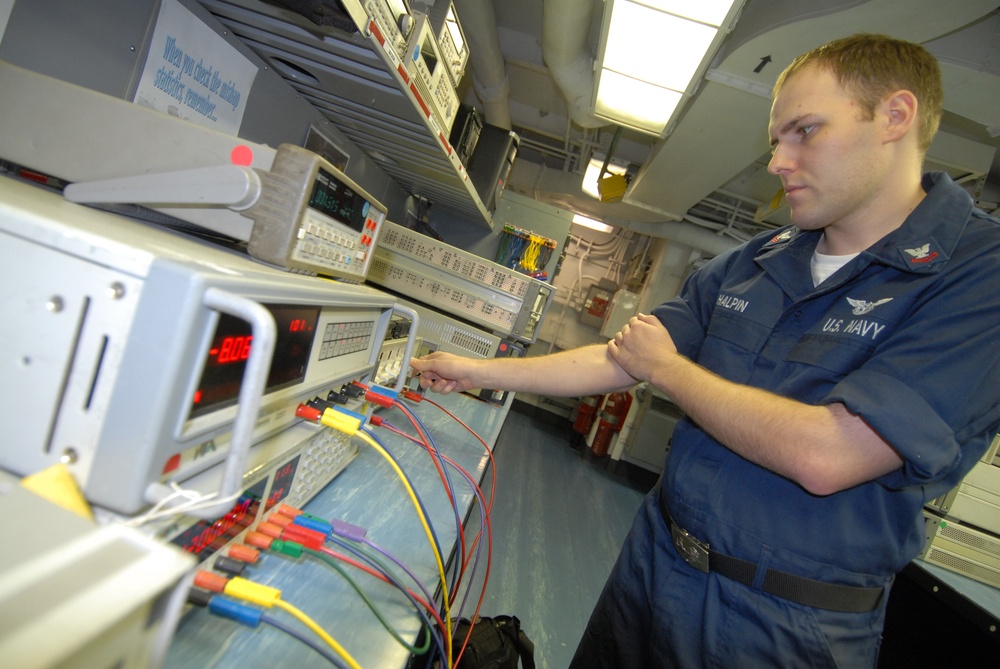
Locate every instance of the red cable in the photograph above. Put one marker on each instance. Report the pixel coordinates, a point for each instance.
(489, 525)
(382, 577)
(444, 482)
(489, 532)
(486, 448)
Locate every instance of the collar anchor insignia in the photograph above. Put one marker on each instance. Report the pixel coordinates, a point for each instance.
(922, 254)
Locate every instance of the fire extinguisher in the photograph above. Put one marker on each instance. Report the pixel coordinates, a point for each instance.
(586, 411)
(612, 421)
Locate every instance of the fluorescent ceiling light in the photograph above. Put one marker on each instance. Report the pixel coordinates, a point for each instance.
(636, 104)
(650, 52)
(712, 12)
(589, 185)
(661, 49)
(591, 223)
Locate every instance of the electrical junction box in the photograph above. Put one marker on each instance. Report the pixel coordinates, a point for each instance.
(649, 440)
(595, 308)
(492, 161)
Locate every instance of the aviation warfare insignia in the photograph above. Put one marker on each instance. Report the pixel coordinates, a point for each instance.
(862, 307)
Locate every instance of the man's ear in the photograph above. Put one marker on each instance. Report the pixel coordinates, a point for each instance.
(900, 110)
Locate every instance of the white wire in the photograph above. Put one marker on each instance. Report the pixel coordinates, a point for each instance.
(195, 500)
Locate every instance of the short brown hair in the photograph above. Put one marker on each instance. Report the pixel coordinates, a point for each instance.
(871, 67)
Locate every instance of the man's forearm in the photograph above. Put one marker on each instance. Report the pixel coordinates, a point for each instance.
(588, 370)
(823, 448)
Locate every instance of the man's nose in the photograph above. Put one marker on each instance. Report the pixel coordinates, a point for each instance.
(780, 161)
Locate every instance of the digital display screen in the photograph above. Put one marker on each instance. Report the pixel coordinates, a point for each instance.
(282, 482)
(456, 33)
(427, 53)
(230, 349)
(332, 197)
(205, 537)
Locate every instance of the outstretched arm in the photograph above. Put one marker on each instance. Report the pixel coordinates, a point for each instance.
(824, 449)
(587, 370)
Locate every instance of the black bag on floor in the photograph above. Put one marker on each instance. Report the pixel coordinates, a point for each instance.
(496, 643)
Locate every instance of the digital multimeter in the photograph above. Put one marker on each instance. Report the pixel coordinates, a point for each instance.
(308, 216)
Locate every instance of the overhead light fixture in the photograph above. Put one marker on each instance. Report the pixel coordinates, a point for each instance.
(593, 172)
(592, 223)
(650, 52)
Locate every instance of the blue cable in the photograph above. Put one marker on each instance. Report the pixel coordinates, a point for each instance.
(248, 616)
(482, 520)
(451, 488)
(420, 502)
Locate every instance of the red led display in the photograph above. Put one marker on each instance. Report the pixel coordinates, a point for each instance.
(231, 346)
(206, 537)
(233, 349)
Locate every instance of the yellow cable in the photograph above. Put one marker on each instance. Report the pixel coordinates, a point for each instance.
(531, 255)
(308, 622)
(427, 530)
(350, 424)
(264, 595)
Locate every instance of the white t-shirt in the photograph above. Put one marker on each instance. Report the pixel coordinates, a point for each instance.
(823, 266)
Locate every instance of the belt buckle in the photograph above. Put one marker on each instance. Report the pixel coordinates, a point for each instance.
(694, 552)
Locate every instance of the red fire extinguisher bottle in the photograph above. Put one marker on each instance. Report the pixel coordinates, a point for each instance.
(612, 420)
(586, 411)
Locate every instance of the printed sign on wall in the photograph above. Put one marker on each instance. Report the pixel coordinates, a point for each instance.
(193, 73)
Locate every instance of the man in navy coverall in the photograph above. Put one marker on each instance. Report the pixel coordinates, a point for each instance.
(835, 376)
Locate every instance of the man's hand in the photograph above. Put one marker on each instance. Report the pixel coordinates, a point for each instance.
(445, 373)
(641, 346)
(825, 449)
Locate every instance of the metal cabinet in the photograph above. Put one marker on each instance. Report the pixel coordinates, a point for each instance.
(649, 440)
(361, 80)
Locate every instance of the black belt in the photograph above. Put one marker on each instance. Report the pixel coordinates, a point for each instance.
(805, 591)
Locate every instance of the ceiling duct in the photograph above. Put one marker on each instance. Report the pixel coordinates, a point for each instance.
(489, 72)
(565, 31)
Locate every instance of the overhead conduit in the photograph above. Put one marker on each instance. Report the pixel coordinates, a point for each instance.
(489, 72)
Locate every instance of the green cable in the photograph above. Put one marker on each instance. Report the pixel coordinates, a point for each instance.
(295, 549)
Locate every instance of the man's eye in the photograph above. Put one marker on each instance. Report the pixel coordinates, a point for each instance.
(806, 130)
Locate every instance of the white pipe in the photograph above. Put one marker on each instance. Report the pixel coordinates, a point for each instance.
(489, 72)
(565, 29)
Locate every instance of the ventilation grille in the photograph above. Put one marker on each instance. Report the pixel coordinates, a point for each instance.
(963, 566)
(982, 544)
(468, 341)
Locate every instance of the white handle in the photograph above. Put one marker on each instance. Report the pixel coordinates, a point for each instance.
(234, 186)
(265, 335)
(411, 340)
